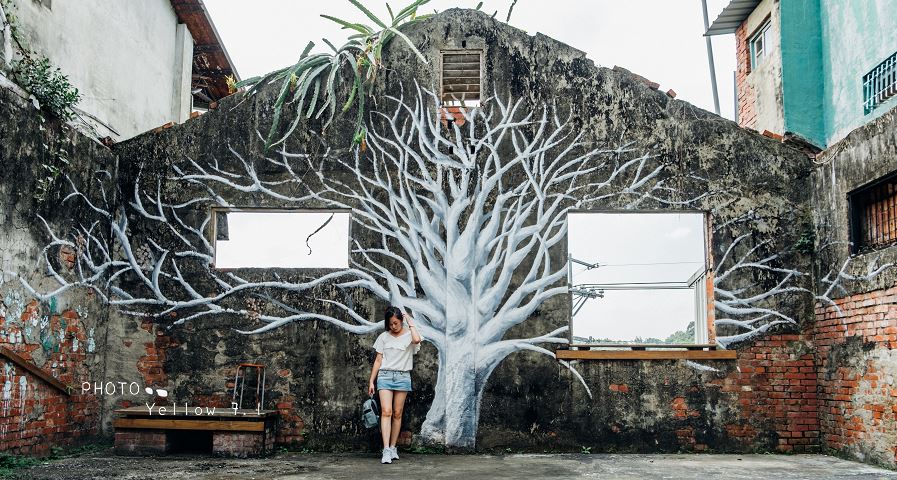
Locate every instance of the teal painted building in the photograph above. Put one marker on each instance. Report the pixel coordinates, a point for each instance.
(814, 69)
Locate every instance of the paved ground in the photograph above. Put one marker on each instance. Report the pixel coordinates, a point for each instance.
(467, 467)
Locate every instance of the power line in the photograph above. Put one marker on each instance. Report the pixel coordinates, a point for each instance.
(582, 269)
(654, 263)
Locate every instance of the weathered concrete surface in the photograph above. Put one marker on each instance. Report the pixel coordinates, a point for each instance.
(73, 37)
(65, 335)
(759, 190)
(864, 156)
(541, 466)
(530, 401)
(855, 338)
(760, 91)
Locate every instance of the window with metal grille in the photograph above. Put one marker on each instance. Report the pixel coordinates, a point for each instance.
(873, 212)
(461, 77)
(880, 84)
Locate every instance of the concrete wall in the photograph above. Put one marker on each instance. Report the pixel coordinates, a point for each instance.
(318, 372)
(757, 191)
(813, 88)
(126, 58)
(760, 88)
(856, 36)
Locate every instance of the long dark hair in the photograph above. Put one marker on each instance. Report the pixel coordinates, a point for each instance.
(391, 311)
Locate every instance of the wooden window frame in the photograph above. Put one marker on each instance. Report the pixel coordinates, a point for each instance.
(759, 33)
(861, 202)
(695, 351)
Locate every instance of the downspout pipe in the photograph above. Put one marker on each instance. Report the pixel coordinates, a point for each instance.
(710, 59)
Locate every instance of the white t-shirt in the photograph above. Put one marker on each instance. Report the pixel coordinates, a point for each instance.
(398, 352)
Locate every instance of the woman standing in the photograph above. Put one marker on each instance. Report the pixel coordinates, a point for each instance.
(392, 374)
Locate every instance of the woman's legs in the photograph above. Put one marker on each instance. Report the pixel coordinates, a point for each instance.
(386, 413)
(398, 405)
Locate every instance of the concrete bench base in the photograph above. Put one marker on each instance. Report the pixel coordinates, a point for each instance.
(225, 444)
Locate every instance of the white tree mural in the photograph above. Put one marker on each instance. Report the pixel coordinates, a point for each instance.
(466, 220)
(457, 223)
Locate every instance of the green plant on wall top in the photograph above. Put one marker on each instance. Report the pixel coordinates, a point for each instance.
(48, 84)
(314, 77)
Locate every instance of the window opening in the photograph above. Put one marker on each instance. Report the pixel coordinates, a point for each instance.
(760, 44)
(639, 278)
(257, 238)
(461, 78)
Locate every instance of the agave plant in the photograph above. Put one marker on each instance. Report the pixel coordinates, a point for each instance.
(314, 77)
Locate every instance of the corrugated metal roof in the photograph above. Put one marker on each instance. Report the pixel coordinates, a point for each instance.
(731, 17)
(211, 63)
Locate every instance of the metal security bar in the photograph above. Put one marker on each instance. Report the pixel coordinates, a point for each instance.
(880, 84)
(874, 215)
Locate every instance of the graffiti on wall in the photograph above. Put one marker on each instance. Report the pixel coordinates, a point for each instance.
(755, 279)
(45, 337)
(12, 399)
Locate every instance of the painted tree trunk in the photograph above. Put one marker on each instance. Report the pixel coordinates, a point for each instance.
(432, 432)
(455, 411)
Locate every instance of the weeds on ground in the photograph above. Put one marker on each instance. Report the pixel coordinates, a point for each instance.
(10, 463)
(427, 449)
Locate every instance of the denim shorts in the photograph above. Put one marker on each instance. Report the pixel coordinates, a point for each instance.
(394, 380)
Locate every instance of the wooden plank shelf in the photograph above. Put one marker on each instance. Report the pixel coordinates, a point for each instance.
(162, 423)
(644, 346)
(646, 354)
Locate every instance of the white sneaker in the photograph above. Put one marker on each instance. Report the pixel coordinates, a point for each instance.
(394, 451)
(387, 455)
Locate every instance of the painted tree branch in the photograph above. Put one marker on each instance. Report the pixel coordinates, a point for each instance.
(753, 310)
(460, 226)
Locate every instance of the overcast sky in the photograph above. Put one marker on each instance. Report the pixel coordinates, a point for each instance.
(658, 39)
(278, 239)
(636, 248)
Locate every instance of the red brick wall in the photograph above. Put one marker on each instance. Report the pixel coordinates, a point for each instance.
(33, 415)
(776, 387)
(141, 442)
(152, 365)
(747, 110)
(857, 360)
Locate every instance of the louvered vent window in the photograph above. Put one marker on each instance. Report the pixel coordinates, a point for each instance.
(874, 215)
(461, 77)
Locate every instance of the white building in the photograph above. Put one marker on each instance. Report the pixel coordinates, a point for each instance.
(137, 64)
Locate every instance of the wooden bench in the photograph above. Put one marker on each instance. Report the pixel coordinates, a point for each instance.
(643, 351)
(240, 433)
